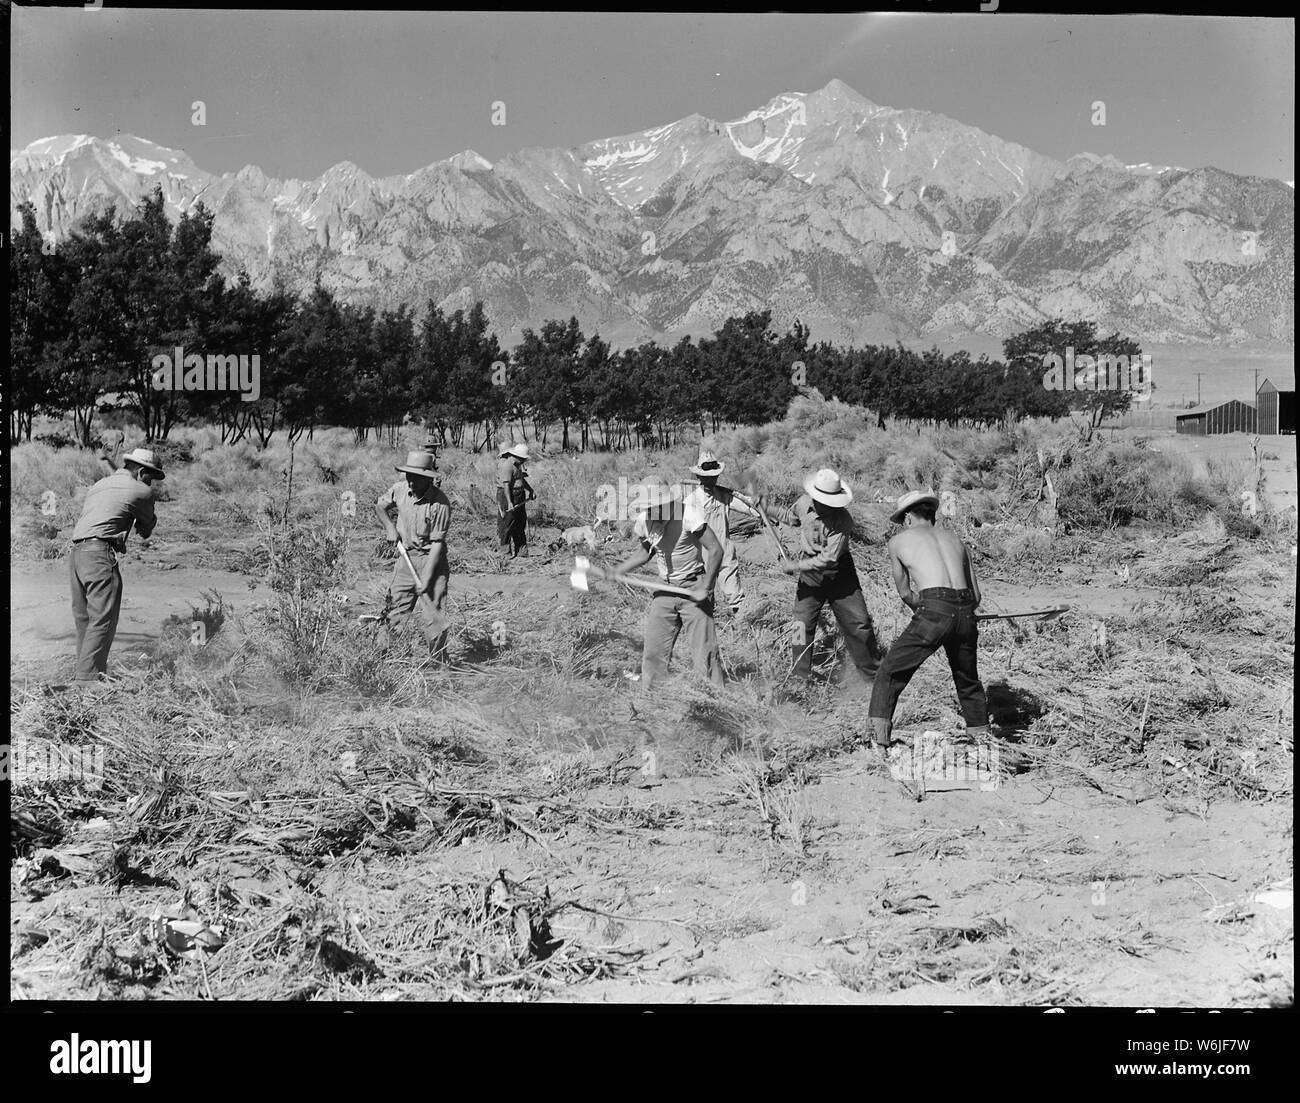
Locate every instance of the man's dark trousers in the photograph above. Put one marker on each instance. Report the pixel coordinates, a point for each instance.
(944, 618)
(512, 525)
(841, 589)
(96, 604)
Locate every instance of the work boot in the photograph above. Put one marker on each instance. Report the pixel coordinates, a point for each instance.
(981, 734)
(523, 551)
(504, 551)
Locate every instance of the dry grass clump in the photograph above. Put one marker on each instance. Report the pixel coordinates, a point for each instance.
(984, 954)
(251, 821)
(1160, 702)
(998, 477)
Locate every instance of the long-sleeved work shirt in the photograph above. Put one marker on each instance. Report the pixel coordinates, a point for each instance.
(823, 539)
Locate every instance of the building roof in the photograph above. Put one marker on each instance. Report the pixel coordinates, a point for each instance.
(1195, 411)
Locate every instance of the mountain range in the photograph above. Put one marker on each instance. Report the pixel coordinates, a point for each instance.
(868, 223)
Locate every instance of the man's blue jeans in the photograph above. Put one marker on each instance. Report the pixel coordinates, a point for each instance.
(945, 618)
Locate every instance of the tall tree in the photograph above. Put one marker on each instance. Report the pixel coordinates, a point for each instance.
(37, 316)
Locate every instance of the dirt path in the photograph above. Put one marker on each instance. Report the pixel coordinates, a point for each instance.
(41, 626)
(40, 605)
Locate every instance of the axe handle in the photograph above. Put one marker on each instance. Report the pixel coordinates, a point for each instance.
(641, 583)
(780, 549)
(1031, 613)
(662, 587)
(401, 548)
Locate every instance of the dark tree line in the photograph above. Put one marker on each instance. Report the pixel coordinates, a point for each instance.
(88, 315)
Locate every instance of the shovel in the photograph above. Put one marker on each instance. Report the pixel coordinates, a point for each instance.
(1049, 613)
(438, 620)
(583, 570)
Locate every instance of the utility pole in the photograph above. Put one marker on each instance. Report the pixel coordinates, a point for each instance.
(1198, 388)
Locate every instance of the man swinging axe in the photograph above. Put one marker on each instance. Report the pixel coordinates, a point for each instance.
(826, 574)
(935, 578)
(114, 505)
(688, 556)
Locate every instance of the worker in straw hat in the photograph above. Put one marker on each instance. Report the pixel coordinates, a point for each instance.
(416, 510)
(512, 491)
(934, 576)
(827, 574)
(112, 506)
(715, 503)
(688, 556)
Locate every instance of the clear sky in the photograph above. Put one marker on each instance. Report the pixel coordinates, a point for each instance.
(297, 91)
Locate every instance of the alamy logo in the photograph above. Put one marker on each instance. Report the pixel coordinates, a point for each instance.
(933, 760)
(36, 761)
(1106, 372)
(628, 501)
(174, 371)
(103, 1057)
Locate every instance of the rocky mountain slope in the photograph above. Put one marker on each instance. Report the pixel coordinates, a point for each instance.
(869, 223)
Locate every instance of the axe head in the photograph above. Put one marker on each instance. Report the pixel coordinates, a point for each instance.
(578, 579)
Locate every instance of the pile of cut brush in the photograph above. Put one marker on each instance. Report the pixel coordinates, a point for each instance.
(1188, 696)
(209, 859)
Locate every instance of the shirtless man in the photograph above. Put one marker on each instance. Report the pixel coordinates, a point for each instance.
(935, 578)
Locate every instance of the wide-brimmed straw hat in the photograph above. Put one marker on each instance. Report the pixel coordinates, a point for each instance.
(911, 498)
(518, 450)
(828, 488)
(146, 459)
(708, 464)
(419, 463)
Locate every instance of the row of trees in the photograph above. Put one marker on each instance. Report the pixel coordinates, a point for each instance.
(88, 316)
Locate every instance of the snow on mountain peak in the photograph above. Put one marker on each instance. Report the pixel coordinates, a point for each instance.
(144, 166)
(631, 167)
(470, 161)
(56, 146)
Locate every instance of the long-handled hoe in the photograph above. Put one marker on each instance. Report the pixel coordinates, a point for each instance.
(438, 621)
